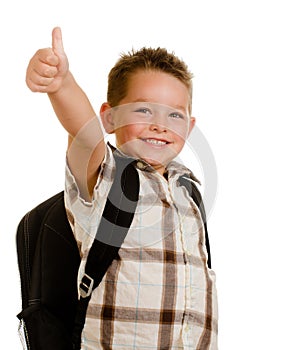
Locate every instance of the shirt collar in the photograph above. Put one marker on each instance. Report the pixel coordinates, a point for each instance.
(174, 168)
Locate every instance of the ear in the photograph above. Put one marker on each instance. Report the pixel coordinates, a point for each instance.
(107, 117)
(191, 125)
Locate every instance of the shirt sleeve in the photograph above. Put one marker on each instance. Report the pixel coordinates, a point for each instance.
(84, 216)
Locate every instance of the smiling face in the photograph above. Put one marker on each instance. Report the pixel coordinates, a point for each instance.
(151, 122)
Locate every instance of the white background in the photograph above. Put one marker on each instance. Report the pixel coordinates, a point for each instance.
(235, 50)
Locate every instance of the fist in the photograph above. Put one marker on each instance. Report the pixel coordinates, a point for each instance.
(48, 68)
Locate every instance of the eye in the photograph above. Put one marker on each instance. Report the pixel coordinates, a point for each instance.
(177, 115)
(144, 110)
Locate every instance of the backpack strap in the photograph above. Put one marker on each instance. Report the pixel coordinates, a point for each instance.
(114, 225)
(188, 182)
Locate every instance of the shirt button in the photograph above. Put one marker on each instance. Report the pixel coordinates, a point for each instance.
(186, 328)
(140, 165)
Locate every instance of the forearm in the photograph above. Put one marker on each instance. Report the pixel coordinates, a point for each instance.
(72, 106)
(86, 146)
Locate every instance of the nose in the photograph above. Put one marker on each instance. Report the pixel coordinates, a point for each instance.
(158, 124)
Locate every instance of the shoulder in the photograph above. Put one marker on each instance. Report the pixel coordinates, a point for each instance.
(105, 177)
(176, 170)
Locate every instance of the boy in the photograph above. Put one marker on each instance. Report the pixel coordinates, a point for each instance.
(159, 293)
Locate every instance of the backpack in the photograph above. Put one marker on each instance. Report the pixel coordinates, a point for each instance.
(52, 317)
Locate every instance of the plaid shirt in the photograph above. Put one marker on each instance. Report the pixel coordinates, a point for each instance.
(159, 294)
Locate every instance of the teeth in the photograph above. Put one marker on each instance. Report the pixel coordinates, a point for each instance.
(155, 142)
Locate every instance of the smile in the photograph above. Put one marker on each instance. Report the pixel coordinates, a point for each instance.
(155, 142)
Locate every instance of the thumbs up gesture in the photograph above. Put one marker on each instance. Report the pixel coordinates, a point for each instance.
(49, 67)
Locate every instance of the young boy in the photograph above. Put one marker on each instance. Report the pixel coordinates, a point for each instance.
(159, 293)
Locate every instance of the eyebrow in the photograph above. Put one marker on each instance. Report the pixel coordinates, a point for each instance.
(149, 101)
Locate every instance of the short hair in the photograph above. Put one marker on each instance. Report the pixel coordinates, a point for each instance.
(158, 59)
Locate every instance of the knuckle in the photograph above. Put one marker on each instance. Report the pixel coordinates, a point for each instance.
(49, 72)
(32, 87)
(44, 81)
(44, 51)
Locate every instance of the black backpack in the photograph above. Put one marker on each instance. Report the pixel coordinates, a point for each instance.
(49, 259)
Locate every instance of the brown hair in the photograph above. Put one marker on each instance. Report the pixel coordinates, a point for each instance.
(145, 59)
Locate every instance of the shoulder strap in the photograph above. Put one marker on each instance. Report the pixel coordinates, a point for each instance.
(114, 225)
(193, 191)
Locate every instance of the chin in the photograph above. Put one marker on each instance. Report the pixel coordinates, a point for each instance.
(154, 163)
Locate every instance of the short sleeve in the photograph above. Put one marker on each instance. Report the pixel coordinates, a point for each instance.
(84, 216)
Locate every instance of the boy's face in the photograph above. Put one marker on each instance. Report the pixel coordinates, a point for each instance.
(152, 121)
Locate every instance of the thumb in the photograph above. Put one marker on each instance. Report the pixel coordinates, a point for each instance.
(57, 43)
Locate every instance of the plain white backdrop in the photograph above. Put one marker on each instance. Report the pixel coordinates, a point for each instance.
(235, 50)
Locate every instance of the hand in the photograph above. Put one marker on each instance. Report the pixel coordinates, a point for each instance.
(48, 67)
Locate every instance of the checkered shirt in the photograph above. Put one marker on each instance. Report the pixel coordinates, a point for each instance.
(159, 293)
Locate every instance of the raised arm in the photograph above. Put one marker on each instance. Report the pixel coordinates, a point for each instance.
(48, 72)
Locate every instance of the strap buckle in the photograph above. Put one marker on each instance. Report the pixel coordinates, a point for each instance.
(86, 286)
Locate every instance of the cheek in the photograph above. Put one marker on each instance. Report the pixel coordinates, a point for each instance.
(128, 132)
(181, 133)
